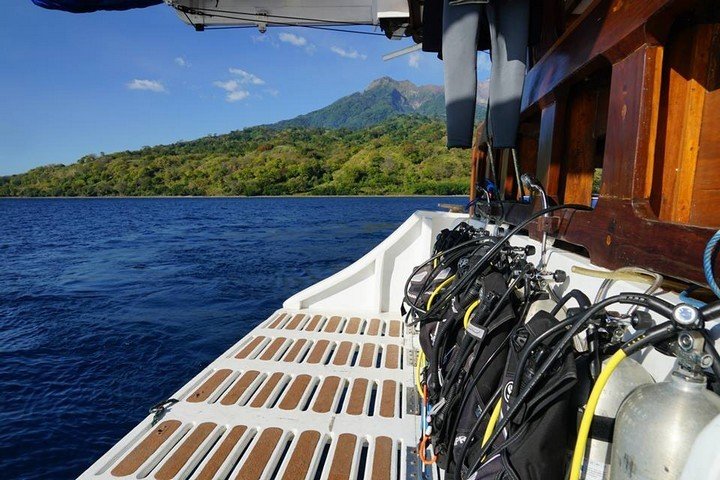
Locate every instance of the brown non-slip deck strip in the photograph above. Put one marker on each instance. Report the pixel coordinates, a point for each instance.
(332, 324)
(206, 389)
(299, 464)
(373, 327)
(248, 349)
(353, 326)
(343, 458)
(267, 388)
(395, 328)
(278, 320)
(387, 401)
(295, 322)
(260, 455)
(313, 323)
(295, 350)
(326, 395)
(237, 390)
(318, 351)
(218, 458)
(272, 349)
(392, 356)
(147, 447)
(367, 355)
(178, 459)
(382, 458)
(295, 392)
(356, 404)
(343, 353)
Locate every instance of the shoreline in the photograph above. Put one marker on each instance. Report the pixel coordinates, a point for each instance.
(190, 197)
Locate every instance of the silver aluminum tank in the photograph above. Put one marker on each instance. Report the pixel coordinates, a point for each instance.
(656, 426)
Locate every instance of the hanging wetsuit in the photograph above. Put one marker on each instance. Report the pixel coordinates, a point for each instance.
(508, 22)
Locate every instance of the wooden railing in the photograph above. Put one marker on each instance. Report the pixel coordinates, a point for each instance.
(631, 87)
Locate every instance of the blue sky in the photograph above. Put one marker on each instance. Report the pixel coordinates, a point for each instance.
(77, 84)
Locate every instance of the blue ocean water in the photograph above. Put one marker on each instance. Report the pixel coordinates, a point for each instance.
(110, 305)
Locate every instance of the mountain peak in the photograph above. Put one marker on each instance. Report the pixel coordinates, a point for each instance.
(389, 81)
(384, 98)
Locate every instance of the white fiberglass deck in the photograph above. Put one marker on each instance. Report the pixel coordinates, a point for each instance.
(322, 389)
(303, 394)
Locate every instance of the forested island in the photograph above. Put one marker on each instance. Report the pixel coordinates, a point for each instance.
(386, 140)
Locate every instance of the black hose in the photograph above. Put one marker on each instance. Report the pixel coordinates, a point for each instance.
(582, 300)
(550, 332)
(711, 311)
(448, 256)
(457, 286)
(652, 303)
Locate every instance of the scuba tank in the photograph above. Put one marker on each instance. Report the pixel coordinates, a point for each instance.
(627, 376)
(658, 423)
(703, 462)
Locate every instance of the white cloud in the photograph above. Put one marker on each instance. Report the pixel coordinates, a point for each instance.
(348, 53)
(149, 85)
(267, 38)
(237, 95)
(293, 39)
(247, 77)
(272, 91)
(181, 62)
(229, 86)
(414, 60)
(234, 92)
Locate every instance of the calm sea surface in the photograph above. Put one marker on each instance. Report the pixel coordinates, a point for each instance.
(110, 305)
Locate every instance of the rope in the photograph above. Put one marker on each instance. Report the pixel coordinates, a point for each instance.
(708, 263)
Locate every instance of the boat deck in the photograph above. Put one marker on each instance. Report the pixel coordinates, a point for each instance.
(304, 395)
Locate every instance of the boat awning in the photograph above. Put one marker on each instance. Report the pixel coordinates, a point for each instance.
(86, 6)
(282, 13)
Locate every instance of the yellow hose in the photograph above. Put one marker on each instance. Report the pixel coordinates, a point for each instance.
(444, 284)
(419, 365)
(581, 443)
(492, 422)
(468, 312)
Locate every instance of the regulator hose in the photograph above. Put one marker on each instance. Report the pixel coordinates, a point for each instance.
(470, 275)
(413, 304)
(582, 300)
(708, 257)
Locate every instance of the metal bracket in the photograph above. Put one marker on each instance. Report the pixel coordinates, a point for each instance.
(412, 402)
(411, 356)
(413, 470)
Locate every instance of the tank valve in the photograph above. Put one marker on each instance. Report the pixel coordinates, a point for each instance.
(692, 358)
(687, 315)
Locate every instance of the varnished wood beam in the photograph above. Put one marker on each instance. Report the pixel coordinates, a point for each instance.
(606, 32)
(578, 164)
(550, 147)
(632, 124)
